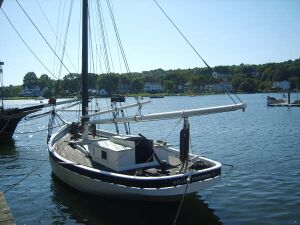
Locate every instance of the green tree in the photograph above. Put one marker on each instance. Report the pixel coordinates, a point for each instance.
(198, 81)
(30, 80)
(92, 79)
(136, 86)
(295, 82)
(71, 83)
(236, 82)
(169, 86)
(44, 81)
(281, 73)
(248, 85)
(124, 79)
(110, 82)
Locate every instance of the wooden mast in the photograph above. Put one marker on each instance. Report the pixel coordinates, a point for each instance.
(84, 90)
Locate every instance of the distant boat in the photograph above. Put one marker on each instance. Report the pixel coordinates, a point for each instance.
(157, 96)
(272, 100)
(10, 117)
(40, 98)
(117, 98)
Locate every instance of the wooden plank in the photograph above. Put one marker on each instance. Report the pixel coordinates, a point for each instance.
(284, 105)
(6, 216)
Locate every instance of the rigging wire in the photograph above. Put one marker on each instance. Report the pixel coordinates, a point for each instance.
(25, 43)
(109, 50)
(42, 35)
(66, 35)
(102, 30)
(118, 49)
(92, 23)
(91, 45)
(165, 139)
(79, 40)
(189, 43)
(184, 37)
(118, 37)
(52, 29)
(56, 41)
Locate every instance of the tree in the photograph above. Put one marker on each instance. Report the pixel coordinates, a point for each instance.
(248, 85)
(169, 86)
(110, 82)
(281, 73)
(236, 81)
(44, 81)
(71, 83)
(124, 79)
(136, 86)
(30, 80)
(92, 79)
(198, 81)
(265, 85)
(295, 82)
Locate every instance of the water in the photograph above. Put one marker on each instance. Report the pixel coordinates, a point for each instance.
(262, 188)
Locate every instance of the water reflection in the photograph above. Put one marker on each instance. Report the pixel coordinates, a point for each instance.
(7, 148)
(80, 208)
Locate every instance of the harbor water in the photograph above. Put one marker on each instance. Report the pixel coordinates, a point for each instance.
(259, 149)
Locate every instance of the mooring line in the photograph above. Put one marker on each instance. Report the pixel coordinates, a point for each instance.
(183, 196)
(31, 172)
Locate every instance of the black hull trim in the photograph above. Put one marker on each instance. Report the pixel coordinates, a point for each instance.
(139, 183)
(9, 120)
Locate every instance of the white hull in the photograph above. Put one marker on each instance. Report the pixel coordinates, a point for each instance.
(95, 181)
(97, 187)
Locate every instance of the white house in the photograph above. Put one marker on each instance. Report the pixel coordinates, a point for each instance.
(283, 85)
(152, 87)
(219, 87)
(32, 92)
(124, 88)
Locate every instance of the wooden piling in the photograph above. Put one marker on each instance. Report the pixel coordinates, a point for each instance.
(6, 216)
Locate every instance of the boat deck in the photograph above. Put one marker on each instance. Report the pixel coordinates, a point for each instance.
(66, 149)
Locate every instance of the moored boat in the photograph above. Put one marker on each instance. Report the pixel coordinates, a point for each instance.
(126, 165)
(273, 100)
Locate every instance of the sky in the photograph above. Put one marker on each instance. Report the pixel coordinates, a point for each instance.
(224, 32)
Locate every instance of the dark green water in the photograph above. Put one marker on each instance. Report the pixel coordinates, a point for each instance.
(263, 187)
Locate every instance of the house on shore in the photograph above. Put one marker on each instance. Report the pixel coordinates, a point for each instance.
(151, 87)
(218, 87)
(34, 91)
(282, 85)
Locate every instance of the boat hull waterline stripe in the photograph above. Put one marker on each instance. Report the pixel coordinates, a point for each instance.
(142, 183)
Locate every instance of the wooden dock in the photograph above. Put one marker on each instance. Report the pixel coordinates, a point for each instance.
(6, 216)
(284, 105)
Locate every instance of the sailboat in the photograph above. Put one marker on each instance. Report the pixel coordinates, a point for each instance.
(10, 117)
(126, 165)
